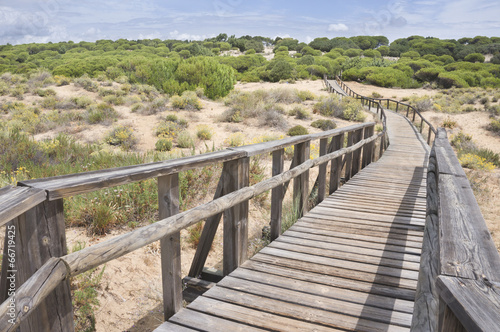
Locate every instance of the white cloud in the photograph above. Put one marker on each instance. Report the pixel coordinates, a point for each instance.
(338, 27)
(186, 36)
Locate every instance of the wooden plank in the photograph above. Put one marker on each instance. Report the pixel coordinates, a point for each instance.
(207, 236)
(254, 317)
(75, 184)
(348, 157)
(301, 183)
(356, 155)
(314, 288)
(337, 143)
(277, 194)
(200, 321)
(322, 171)
(368, 150)
(320, 277)
(14, 201)
(476, 303)
(39, 236)
(467, 249)
(236, 176)
(170, 327)
(170, 246)
(318, 312)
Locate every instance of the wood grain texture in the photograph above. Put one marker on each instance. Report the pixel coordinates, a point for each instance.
(475, 303)
(277, 194)
(16, 200)
(170, 246)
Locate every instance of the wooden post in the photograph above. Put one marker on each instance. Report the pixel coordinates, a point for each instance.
(368, 148)
(39, 235)
(387, 103)
(235, 243)
(448, 322)
(337, 143)
(429, 136)
(421, 125)
(408, 111)
(356, 155)
(322, 170)
(397, 106)
(301, 182)
(348, 157)
(414, 113)
(277, 195)
(168, 205)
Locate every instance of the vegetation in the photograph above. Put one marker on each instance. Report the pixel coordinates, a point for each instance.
(297, 130)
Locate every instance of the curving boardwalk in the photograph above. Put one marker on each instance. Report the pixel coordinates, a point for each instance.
(351, 263)
(336, 87)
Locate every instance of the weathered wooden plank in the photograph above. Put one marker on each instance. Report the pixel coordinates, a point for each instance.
(337, 143)
(466, 247)
(475, 303)
(301, 183)
(200, 321)
(348, 157)
(317, 313)
(254, 317)
(207, 236)
(39, 236)
(323, 146)
(32, 294)
(170, 246)
(368, 150)
(74, 184)
(170, 327)
(356, 155)
(14, 201)
(314, 288)
(277, 194)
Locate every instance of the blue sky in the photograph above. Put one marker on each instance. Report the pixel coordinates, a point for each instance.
(25, 21)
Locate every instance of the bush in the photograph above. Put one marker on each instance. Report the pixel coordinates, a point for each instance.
(297, 131)
(99, 113)
(299, 113)
(204, 132)
(423, 105)
(156, 106)
(324, 124)
(305, 95)
(86, 82)
(122, 136)
(163, 144)
(494, 126)
(235, 139)
(189, 101)
(185, 140)
(346, 108)
(473, 161)
(449, 123)
(489, 156)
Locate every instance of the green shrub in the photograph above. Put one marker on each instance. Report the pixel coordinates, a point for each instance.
(156, 106)
(235, 139)
(185, 140)
(300, 113)
(99, 113)
(204, 132)
(324, 124)
(305, 95)
(170, 127)
(86, 82)
(297, 131)
(473, 161)
(114, 100)
(45, 92)
(163, 144)
(346, 108)
(122, 136)
(489, 156)
(189, 101)
(81, 102)
(494, 126)
(272, 117)
(475, 57)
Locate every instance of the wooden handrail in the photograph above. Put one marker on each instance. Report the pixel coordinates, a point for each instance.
(459, 272)
(88, 258)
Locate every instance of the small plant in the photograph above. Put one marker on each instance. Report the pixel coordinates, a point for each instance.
(170, 127)
(376, 95)
(156, 106)
(122, 136)
(84, 298)
(188, 100)
(273, 118)
(98, 113)
(163, 144)
(86, 82)
(204, 132)
(297, 131)
(449, 123)
(324, 124)
(194, 234)
(185, 140)
(305, 95)
(473, 161)
(300, 113)
(489, 156)
(494, 126)
(235, 139)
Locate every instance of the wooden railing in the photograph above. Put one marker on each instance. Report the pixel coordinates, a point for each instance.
(33, 211)
(409, 111)
(459, 278)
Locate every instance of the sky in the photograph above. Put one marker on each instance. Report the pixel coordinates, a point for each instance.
(41, 21)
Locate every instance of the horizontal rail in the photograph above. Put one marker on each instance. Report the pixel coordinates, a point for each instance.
(16, 200)
(458, 278)
(90, 257)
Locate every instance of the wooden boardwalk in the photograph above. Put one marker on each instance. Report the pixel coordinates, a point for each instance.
(351, 263)
(337, 88)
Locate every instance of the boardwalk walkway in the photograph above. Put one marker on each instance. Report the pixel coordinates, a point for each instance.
(337, 88)
(351, 263)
